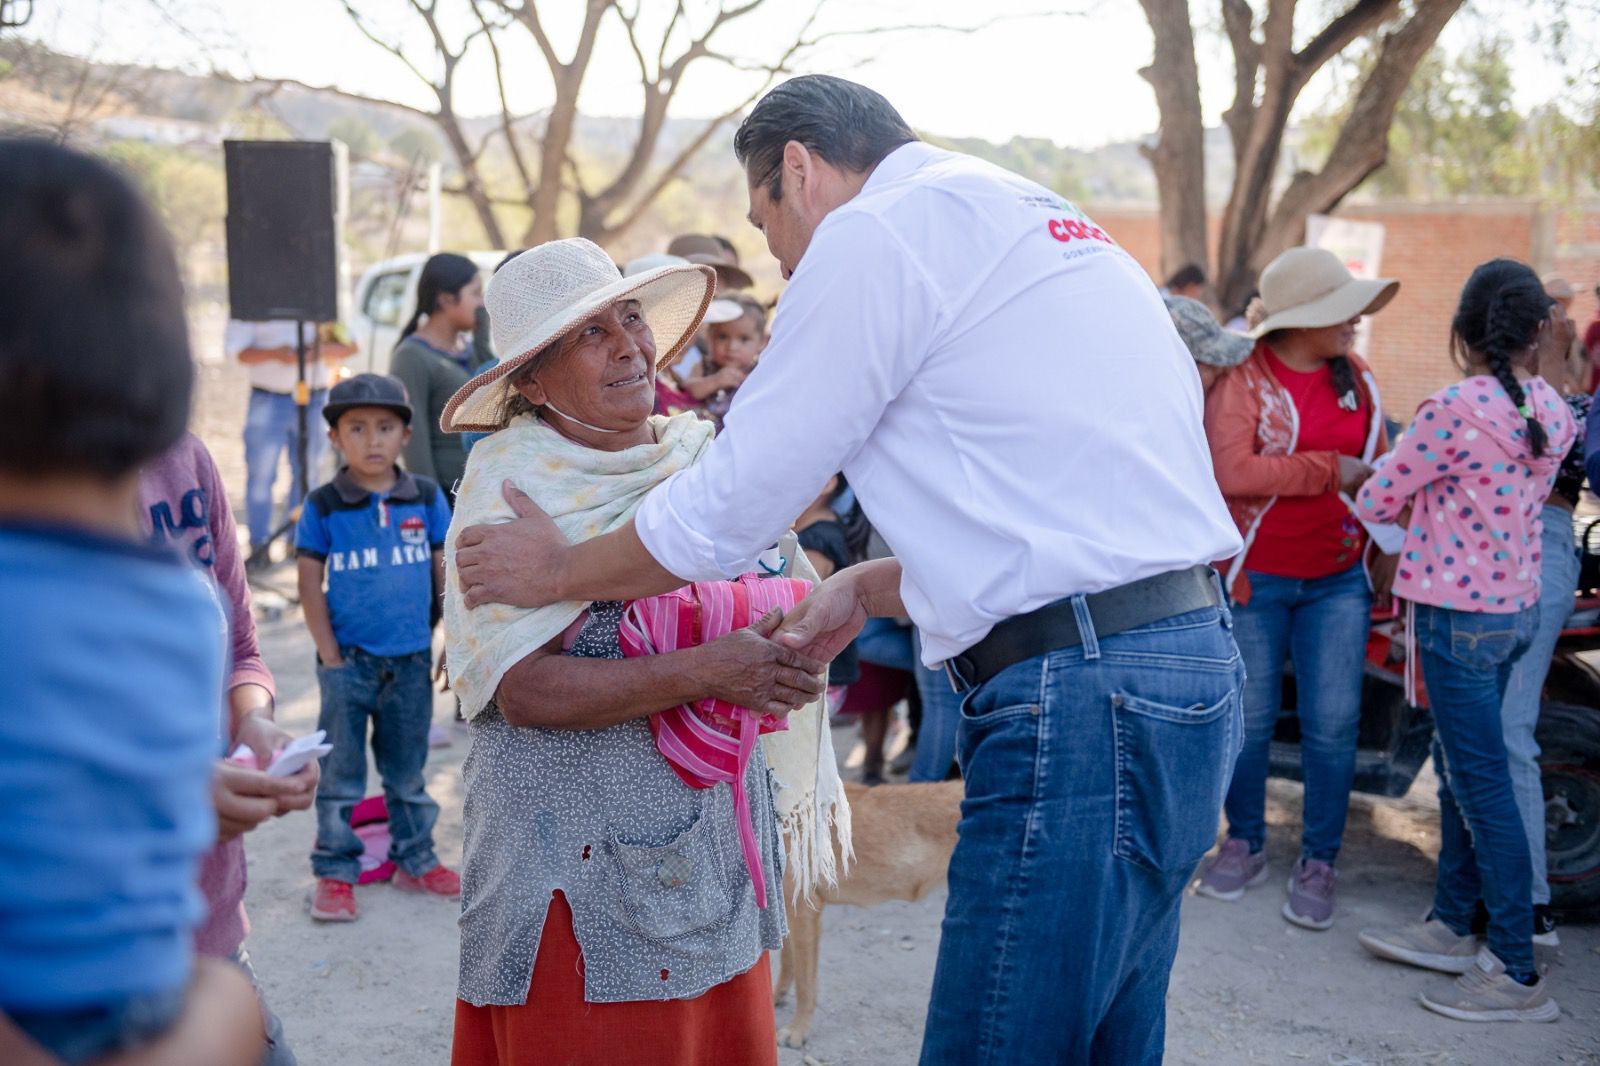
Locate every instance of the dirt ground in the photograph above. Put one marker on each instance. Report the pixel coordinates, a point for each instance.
(1247, 987)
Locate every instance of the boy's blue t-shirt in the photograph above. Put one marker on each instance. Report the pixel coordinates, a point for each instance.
(112, 657)
(378, 556)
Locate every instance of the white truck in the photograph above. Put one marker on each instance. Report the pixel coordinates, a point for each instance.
(385, 297)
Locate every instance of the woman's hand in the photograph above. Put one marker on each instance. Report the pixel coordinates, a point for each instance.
(747, 669)
(1353, 473)
(515, 562)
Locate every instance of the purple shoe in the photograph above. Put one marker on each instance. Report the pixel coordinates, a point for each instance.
(1310, 903)
(1233, 869)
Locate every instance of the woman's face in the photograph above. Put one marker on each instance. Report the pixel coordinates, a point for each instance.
(1328, 342)
(461, 309)
(603, 371)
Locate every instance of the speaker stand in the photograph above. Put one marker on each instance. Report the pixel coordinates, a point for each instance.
(260, 560)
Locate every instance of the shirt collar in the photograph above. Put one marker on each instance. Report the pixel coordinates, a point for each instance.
(898, 163)
(405, 487)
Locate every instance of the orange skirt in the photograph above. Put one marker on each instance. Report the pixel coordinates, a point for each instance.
(731, 1023)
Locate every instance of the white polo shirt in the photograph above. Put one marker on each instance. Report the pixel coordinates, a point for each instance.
(1002, 386)
(275, 376)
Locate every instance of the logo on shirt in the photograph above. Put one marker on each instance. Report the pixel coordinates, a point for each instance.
(1067, 230)
(413, 530)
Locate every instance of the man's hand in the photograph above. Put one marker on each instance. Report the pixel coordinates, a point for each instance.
(825, 622)
(747, 669)
(516, 562)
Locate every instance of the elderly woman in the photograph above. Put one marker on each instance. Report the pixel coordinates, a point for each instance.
(1294, 430)
(606, 914)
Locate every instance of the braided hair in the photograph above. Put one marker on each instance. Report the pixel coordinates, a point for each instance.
(1502, 306)
(441, 274)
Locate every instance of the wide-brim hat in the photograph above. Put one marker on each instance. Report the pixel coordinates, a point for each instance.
(1310, 288)
(546, 291)
(699, 248)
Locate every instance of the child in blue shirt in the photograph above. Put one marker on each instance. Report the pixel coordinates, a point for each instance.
(111, 649)
(376, 534)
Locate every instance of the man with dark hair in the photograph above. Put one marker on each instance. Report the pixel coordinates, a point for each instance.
(1188, 281)
(1006, 393)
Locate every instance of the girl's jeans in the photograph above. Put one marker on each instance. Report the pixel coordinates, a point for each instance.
(1483, 849)
(1558, 582)
(396, 694)
(1094, 775)
(1322, 624)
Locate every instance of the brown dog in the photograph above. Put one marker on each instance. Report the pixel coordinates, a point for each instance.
(903, 837)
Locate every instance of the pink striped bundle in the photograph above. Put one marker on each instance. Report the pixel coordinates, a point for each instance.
(711, 740)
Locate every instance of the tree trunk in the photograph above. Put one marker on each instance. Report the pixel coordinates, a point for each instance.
(471, 179)
(1178, 155)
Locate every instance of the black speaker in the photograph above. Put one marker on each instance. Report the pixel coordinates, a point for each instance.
(285, 226)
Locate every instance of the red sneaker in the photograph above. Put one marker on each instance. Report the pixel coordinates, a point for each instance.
(439, 881)
(335, 901)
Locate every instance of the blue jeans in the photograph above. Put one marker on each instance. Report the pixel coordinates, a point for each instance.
(1558, 581)
(1323, 625)
(1094, 778)
(396, 692)
(1483, 849)
(270, 426)
(941, 719)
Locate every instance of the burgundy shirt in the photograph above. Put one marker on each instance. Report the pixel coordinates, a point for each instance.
(182, 501)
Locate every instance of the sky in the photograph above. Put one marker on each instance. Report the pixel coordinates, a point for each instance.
(1018, 68)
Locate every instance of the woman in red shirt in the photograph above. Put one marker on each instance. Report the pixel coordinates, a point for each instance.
(1293, 431)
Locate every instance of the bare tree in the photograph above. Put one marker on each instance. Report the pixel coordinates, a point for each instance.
(1269, 74)
(539, 146)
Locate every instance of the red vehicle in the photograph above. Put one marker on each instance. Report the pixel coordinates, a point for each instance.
(1395, 736)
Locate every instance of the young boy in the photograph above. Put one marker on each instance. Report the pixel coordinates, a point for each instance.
(111, 649)
(737, 332)
(377, 534)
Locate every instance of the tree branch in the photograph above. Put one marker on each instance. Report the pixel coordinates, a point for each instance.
(1361, 17)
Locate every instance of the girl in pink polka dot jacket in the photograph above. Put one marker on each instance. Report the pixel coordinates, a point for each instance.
(1474, 471)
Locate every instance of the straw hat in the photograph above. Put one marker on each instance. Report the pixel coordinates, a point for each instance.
(546, 291)
(1309, 288)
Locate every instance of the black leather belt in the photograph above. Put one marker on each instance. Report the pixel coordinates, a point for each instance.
(1055, 625)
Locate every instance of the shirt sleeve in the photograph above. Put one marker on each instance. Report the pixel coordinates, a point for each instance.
(311, 535)
(856, 323)
(1402, 474)
(247, 666)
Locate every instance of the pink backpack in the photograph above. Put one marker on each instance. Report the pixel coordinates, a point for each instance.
(711, 740)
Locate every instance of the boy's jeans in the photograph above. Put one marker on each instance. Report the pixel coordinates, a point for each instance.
(1558, 581)
(270, 425)
(396, 692)
(1094, 780)
(1483, 849)
(1323, 624)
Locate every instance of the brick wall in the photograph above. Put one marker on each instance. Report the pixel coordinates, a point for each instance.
(1431, 248)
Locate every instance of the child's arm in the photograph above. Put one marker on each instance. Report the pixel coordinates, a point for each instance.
(1406, 472)
(314, 605)
(709, 385)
